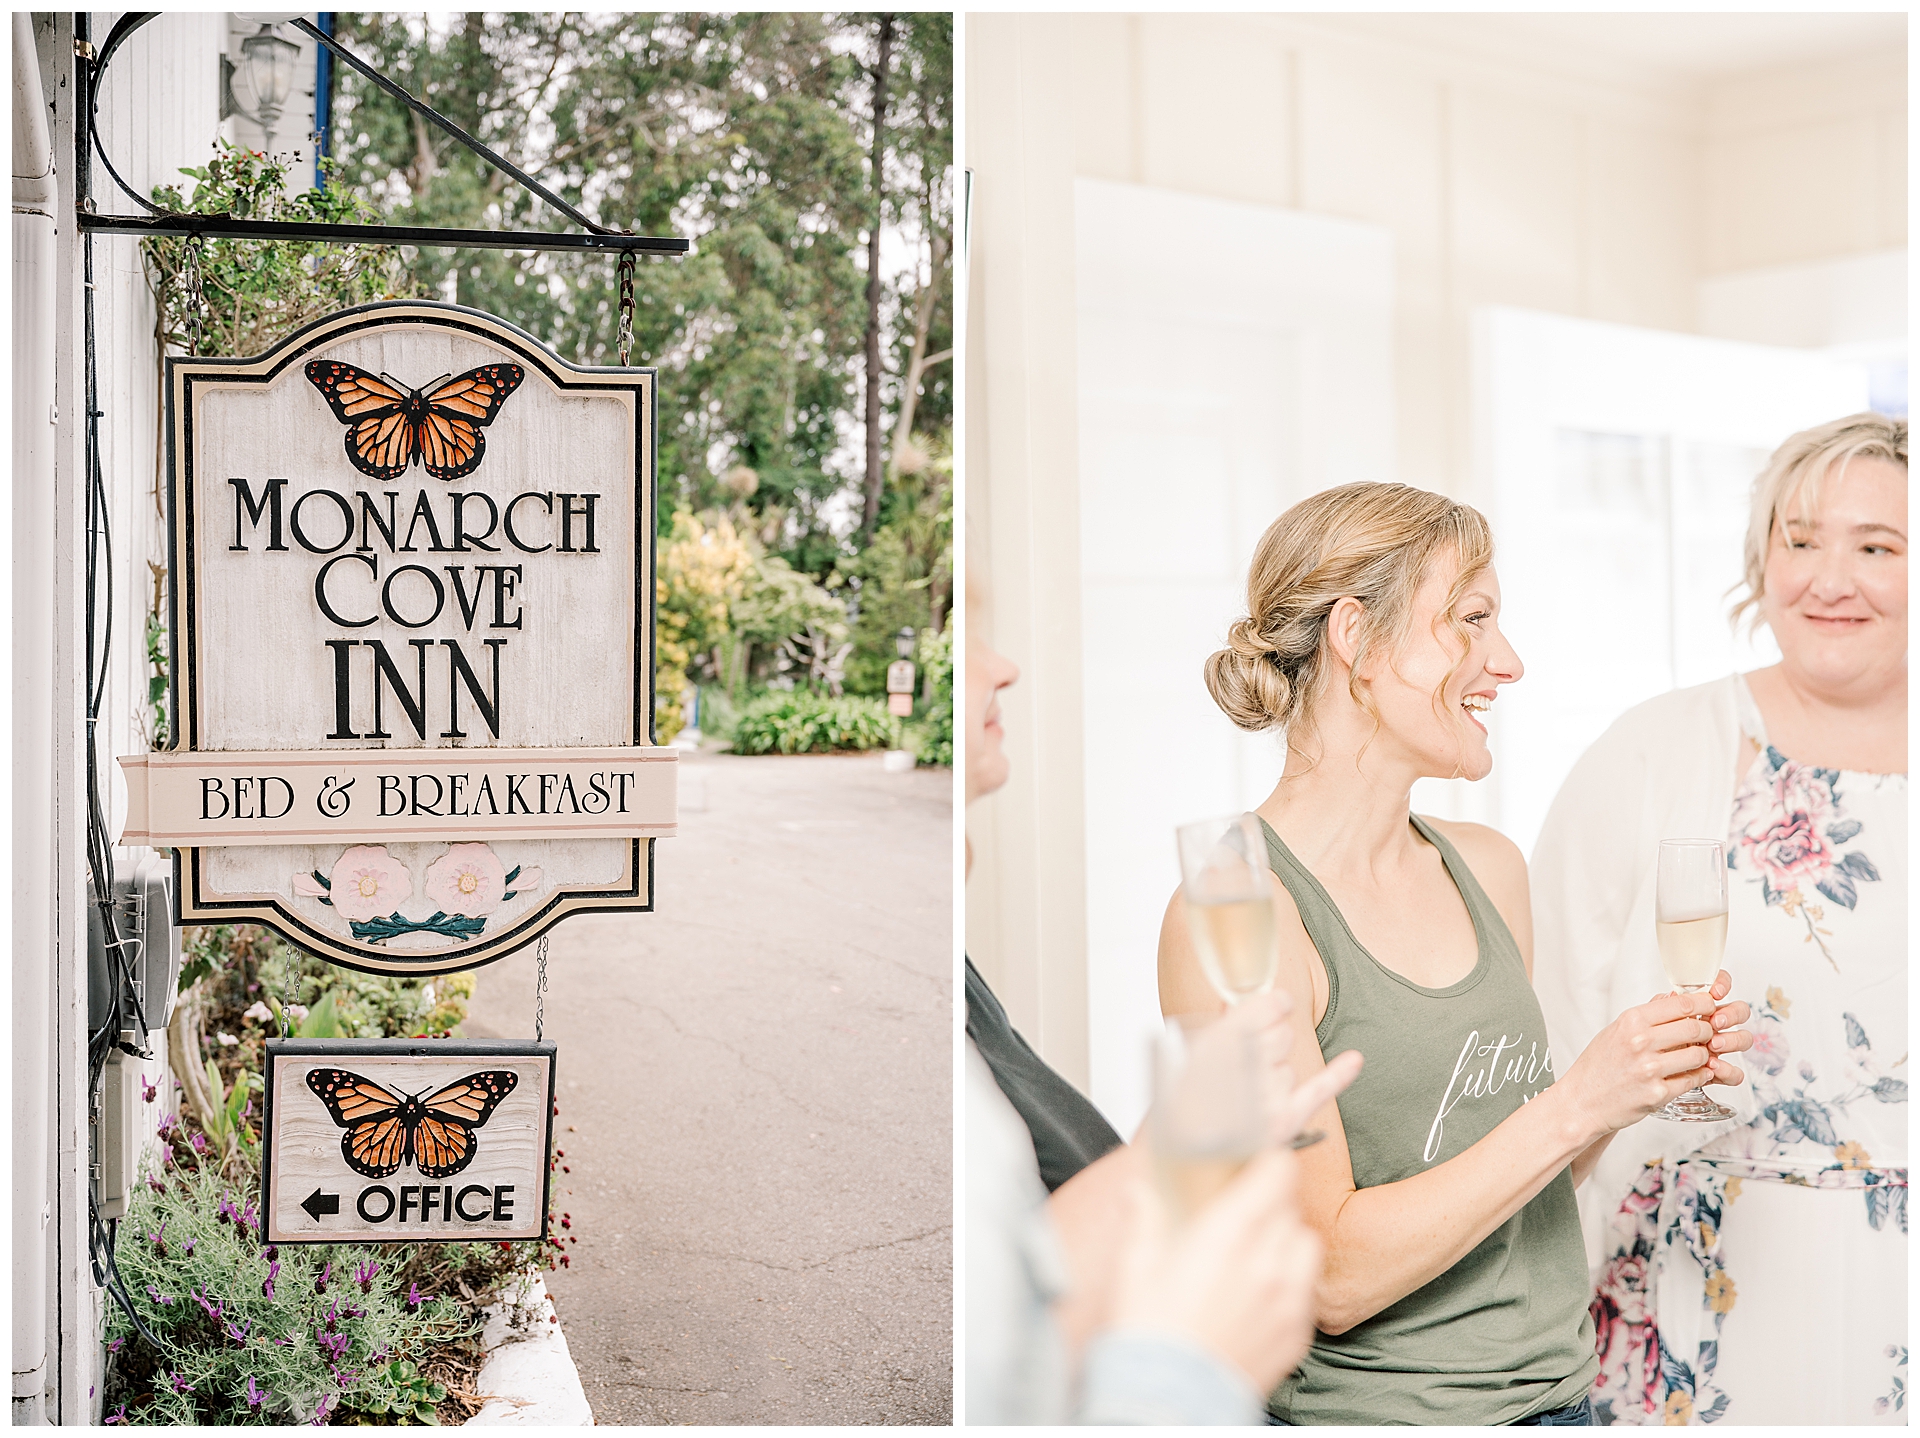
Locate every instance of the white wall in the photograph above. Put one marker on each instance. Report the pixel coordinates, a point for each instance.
(1026, 914)
(157, 111)
(1223, 377)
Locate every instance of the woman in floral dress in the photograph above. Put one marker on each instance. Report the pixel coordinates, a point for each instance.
(1754, 1271)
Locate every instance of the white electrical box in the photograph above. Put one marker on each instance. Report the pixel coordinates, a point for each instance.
(114, 1150)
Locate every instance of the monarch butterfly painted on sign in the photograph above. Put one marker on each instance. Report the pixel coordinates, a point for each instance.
(389, 426)
(385, 1130)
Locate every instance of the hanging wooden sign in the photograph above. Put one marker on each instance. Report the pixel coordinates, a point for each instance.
(385, 1140)
(412, 641)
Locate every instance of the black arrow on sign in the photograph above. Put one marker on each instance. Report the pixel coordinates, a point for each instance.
(317, 1203)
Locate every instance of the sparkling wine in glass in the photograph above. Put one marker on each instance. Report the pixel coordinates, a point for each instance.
(1229, 892)
(1690, 921)
(1223, 873)
(1208, 1119)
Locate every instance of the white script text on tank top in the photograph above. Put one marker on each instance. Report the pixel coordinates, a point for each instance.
(1483, 1070)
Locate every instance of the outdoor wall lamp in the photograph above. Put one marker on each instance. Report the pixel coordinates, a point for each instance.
(268, 63)
(903, 643)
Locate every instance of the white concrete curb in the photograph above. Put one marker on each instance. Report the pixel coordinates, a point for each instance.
(529, 1379)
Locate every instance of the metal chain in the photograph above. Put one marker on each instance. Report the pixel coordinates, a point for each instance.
(287, 990)
(540, 991)
(626, 307)
(196, 299)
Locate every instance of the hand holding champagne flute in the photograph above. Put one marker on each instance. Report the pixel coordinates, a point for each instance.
(1690, 921)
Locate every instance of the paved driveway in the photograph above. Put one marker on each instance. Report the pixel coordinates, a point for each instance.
(755, 1086)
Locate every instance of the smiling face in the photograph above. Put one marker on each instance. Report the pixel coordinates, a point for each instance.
(1836, 580)
(1432, 696)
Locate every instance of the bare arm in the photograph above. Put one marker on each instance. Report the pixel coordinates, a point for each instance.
(1093, 1214)
(1502, 871)
(1384, 1242)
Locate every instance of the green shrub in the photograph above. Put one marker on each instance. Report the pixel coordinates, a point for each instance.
(802, 723)
(254, 1334)
(936, 743)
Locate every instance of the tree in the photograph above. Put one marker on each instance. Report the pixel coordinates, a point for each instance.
(730, 130)
(784, 146)
(876, 181)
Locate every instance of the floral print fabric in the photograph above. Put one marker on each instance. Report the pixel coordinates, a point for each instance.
(1695, 1318)
(1788, 832)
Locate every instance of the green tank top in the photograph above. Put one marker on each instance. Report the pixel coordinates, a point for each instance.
(1505, 1333)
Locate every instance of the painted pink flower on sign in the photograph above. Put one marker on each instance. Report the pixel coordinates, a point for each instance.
(467, 879)
(366, 881)
(367, 886)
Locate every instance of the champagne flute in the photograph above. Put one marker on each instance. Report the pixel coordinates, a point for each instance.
(1229, 892)
(1690, 921)
(1207, 1119)
(1223, 873)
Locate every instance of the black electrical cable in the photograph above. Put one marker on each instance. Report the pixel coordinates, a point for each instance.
(117, 1286)
(102, 1238)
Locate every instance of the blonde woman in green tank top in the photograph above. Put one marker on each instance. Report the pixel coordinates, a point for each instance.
(1456, 1287)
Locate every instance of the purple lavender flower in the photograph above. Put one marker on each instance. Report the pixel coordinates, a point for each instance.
(180, 1385)
(414, 1297)
(114, 1345)
(213, 1309)
(273, 1271)
(155, 1182)
(320, 1283)
(336, 1344)
(157, 1296)
(119, 1415)
(168, 1123)
(159, 1240)
(363, 1274)
(148, 1092)
(270, 1252)
(256, 1395)
(238, 1332)
(189, 1247)
(199, 1143)
(320, 1413)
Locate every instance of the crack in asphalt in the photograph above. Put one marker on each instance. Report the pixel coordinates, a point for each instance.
(809, 1267)
(942, 982)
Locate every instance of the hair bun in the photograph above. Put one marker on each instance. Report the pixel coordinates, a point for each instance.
(1246, 682)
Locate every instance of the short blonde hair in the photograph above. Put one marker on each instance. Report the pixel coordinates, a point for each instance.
(1795, 472)
(1373, 542)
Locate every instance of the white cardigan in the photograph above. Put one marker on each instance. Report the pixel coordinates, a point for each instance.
(1664, 770)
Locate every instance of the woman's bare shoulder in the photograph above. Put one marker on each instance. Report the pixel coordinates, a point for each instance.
(1488, 852)
(1501, 870)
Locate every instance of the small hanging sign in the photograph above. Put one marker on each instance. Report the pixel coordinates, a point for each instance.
(900, 687)
(387, 1140)
(412, 642)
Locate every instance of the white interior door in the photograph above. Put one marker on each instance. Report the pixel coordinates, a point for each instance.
(1233, 360)
(1620, 463)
